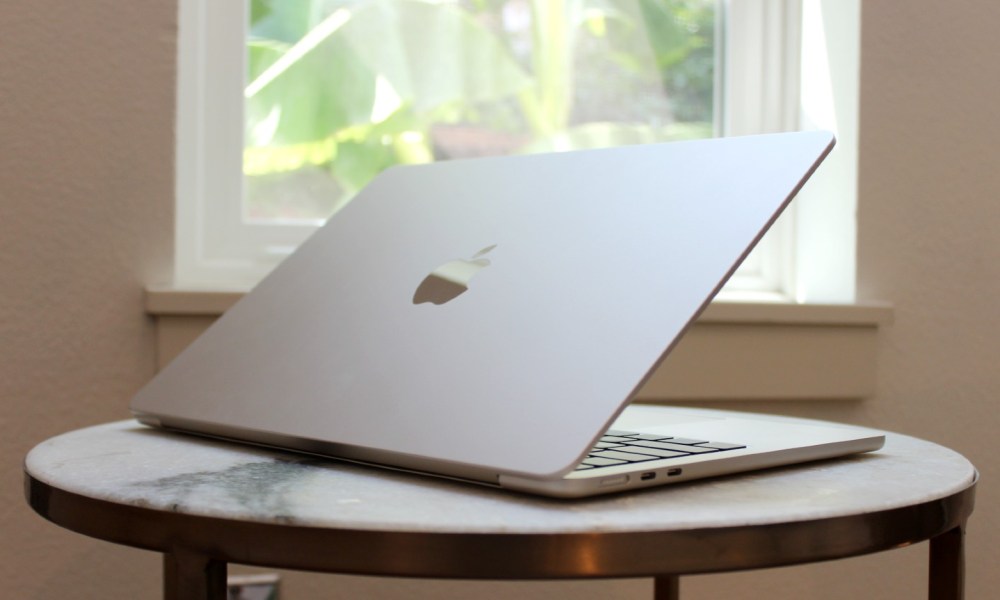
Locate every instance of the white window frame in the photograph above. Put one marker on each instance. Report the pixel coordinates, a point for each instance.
(808, 256)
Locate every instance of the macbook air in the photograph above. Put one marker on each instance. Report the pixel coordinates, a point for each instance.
(491, 319)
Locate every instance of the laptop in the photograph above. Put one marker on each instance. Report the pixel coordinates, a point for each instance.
(490, 319)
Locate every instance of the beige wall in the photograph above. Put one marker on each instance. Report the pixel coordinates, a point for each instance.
(86, 99)
(86, 106)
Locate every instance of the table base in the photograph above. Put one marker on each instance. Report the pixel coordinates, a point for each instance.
(193, 576)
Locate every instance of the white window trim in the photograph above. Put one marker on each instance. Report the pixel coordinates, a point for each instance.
(209, 164)
(826, 211)
(210, 156)
(760, 95)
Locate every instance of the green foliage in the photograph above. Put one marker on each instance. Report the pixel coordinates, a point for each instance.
(349, 75)
(682, 34)
(355, 86)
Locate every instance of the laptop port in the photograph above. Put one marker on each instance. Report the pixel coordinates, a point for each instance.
(674, 472)
(647, 476)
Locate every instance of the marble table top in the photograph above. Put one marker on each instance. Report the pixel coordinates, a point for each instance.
(131, 464)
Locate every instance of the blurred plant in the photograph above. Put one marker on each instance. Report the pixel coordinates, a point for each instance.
(351, 87)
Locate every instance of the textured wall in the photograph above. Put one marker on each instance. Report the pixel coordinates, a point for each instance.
(928, 238)
(86, 97)
(86, 106)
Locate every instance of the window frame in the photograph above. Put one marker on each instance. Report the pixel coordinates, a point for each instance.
(237, 255)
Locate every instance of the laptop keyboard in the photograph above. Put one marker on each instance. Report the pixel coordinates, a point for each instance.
(623, 447)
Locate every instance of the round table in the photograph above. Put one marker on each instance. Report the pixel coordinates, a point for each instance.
(205, 503)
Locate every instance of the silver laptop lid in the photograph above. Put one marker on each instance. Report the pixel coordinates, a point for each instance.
(583, 270)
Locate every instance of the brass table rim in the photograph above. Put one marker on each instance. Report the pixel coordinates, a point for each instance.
(502, 555)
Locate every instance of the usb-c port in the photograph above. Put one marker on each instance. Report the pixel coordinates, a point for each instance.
(673, 472)
(647, 476)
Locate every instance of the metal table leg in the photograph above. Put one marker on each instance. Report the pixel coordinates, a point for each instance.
(192, 576)
(666, 587)
(947, 565)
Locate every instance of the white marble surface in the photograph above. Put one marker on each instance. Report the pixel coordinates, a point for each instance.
(129, 463)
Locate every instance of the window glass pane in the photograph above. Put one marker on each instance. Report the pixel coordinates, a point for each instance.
(339, 90)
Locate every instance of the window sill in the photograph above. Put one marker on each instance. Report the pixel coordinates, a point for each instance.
(735, 351)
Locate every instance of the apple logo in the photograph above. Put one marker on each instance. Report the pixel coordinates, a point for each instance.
(451, 279)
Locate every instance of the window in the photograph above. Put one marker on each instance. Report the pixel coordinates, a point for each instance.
(336, 92)
(238, 112)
